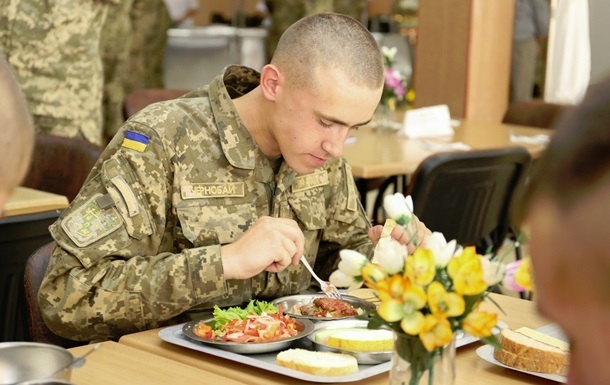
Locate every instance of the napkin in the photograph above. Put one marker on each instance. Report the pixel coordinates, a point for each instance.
(427, 122)
(440, 146)
(541, 139)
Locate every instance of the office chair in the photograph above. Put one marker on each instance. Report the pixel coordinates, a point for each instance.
(141, 98)
(534, 113)
(61, 165)
(467, 195)
(34, 273)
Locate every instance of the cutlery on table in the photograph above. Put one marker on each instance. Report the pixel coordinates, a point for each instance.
(328, 288)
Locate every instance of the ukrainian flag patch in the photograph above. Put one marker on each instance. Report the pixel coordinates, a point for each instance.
(135, 141)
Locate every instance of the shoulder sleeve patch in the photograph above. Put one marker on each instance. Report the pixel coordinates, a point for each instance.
(90, 223)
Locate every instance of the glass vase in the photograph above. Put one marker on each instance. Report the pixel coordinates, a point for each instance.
(384, 118)
(412, 364)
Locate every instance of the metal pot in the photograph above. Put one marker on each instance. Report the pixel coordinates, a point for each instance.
(34, 363)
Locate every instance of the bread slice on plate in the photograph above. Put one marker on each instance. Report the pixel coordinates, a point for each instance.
(362, 340)
(527, 349)
(317, 363)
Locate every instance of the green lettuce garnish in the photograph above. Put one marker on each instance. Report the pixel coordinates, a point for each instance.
(222, 317)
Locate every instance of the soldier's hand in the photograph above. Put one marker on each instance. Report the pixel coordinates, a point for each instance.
(412, 237)
(271, 244)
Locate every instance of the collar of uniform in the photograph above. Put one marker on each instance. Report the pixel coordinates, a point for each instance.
(237, 143)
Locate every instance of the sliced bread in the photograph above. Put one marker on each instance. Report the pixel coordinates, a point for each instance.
(526, 351)
(522, 363)
(318, 363)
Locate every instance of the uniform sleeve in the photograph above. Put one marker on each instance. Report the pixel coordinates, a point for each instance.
(347, 223)
(116, 268)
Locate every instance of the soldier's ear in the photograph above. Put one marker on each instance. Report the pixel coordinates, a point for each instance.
(271, 79)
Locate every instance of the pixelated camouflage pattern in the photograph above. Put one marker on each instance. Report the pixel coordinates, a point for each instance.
(53, 50)
(115, 46)
(165, 260)
(150, 21)
(286, 12)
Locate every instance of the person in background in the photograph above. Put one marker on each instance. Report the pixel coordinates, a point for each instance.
(150, 21)
(182, 12)
(567, 206)
(285, 12)
(17, 138)
(213, 198)
(115, 47)
(531, 28)
(53, 49)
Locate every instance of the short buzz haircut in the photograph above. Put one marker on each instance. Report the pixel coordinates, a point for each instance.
(329, 41)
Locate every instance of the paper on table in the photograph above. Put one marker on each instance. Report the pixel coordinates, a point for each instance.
(541, 139)
(438, 147)
(427, 122)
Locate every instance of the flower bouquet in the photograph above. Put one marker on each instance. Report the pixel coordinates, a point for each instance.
(394, 89)
(427, 297)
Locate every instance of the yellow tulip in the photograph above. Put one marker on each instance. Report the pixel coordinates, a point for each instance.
(372, 274)
(479, 324)
(443, 303)
(467, 273)
(421, 267)
(525, 274)
(436, 332)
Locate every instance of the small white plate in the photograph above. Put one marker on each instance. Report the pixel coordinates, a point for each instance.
(487, 353)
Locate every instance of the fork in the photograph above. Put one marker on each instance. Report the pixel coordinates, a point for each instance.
(328, 288)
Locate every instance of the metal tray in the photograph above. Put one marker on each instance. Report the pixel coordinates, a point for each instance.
(266, 361)
(290, 301)
(249, 347)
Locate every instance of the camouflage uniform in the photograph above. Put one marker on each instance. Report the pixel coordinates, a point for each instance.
(115, 45)
(141, 243)
(286, 12)
(150, 21)
(53, 50)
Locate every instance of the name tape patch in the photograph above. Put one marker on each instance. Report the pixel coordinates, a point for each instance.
(213, 190)
(309, 181)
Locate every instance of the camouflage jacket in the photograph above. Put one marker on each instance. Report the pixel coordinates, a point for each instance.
(141, 242)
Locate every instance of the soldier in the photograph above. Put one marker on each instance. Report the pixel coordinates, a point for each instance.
(53, 49)
(115, 46)
(212, 198)
(17, 139)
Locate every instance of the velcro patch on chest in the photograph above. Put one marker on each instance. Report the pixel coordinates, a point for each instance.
(89, 223)
(213, 190)
(309, 181)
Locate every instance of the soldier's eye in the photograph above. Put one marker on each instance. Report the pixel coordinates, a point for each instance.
(324, 124)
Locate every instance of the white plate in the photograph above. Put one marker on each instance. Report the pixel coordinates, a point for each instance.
(486, 352)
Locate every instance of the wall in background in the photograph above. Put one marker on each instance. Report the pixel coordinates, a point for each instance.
(599, 10)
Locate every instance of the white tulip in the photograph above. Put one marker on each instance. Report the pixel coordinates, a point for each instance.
(340, 279)
(493, 271)
(389, 52)
(398, 207)
(351, 262)
(390, 255)
(443, 251)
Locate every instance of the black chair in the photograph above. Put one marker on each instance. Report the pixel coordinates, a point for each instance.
(467, 195)
(61, 165)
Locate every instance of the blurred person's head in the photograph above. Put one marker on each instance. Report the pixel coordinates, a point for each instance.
(16, 136)
(567, 209)
(324, 80)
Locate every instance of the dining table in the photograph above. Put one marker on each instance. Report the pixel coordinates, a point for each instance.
(470, 368)
(375, 155)
(114, 363)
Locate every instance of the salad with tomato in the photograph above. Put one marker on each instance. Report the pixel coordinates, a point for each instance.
(260, 321)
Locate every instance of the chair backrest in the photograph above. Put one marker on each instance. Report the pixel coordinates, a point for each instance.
(534, 113)
(34, 273)
(467, 195)
(61, 165)
(141, 98)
